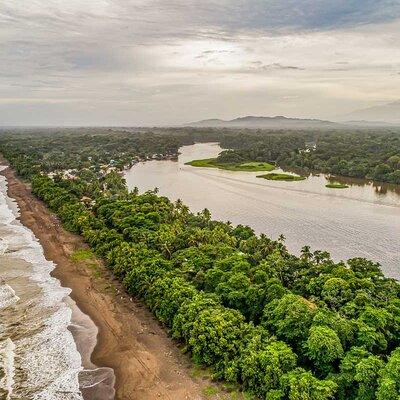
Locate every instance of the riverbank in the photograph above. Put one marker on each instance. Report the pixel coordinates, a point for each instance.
(359, 221)
(147, 364)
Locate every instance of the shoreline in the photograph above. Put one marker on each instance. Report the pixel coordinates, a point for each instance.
(147, 364)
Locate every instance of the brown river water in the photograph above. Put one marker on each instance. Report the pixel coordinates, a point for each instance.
(361, 221)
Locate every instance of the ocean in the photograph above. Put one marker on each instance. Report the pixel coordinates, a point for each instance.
(38, 355)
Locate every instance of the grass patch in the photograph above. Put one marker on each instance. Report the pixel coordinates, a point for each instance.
(210, 391)
(282, 177)
(248, 396)
(96, 272)
(230, 387)
(81, 255)
(336, 185)
(251, 166)
(199, 371)
(256, 166)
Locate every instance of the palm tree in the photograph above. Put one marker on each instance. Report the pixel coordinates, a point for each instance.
(306, 253)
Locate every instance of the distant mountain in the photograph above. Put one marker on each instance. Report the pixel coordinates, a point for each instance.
(389, 113)
(263, 122)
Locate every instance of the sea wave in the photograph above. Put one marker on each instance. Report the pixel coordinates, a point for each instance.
(7, 295)
(7, 356)
(48, 362)
(3, 246)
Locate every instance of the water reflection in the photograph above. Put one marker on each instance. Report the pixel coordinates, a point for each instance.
(380, 188)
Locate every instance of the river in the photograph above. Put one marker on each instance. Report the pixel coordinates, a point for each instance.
(361, 221)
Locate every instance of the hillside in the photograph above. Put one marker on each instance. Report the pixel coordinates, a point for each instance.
(263, 122)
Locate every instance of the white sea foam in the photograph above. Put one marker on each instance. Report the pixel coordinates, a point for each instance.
(6, 215)
(47, 356)
(48, 360)
(7, 356)
(7, 295)
(3, 246)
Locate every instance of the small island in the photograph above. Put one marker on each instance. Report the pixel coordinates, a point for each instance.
(282, 177)
(336, 185)
(251, 166)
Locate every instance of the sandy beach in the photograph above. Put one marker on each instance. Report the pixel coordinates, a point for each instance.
(147, 363)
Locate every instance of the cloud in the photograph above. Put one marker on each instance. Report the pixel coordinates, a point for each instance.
(166, 61)
(278, 66)
(204, 55)
(279, 16)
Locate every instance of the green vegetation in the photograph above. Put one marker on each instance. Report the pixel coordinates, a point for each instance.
(95, 269)
(87, 155)
(282, 177)
(283, 327)
(370, 156)
(363, 154)
(210, 391)
(258, 166)
(82, 255)
(336, 185)
(246, 166)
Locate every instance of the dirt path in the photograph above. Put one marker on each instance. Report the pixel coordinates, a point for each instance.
(147, 364)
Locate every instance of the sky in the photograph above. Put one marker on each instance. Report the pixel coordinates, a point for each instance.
(166, 62)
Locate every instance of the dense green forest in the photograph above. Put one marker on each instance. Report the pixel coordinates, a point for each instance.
(88, 149)
(282, 326)
(365, 154)
(371, 154)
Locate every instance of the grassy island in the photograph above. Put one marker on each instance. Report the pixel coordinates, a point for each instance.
(336, 185)
(282, 177)
(252, 166)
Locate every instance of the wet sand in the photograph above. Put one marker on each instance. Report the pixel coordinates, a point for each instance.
(147, 363)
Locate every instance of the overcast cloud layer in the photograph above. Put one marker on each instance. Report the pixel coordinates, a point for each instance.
(137, 62)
